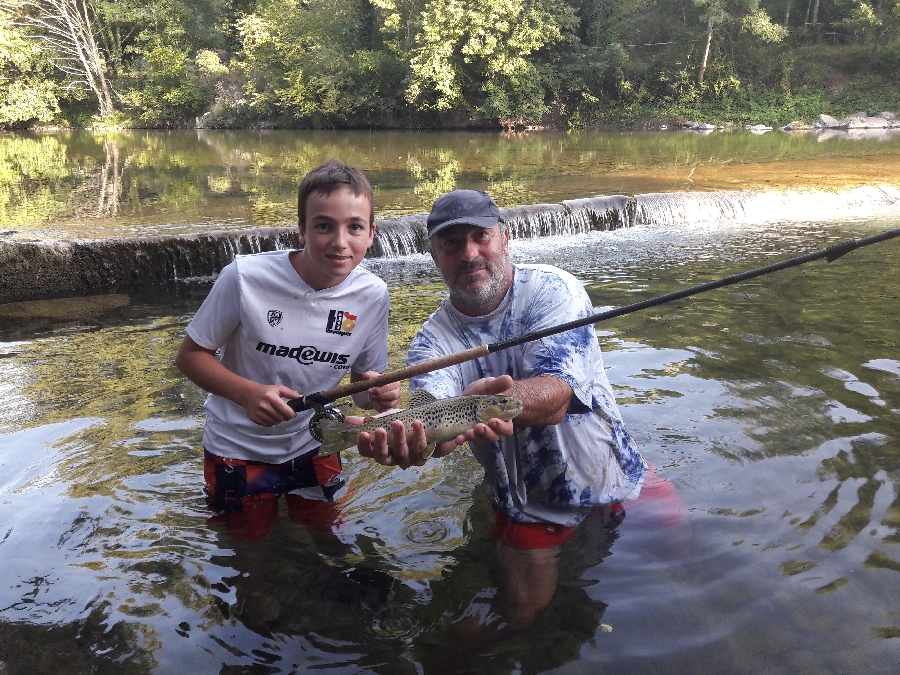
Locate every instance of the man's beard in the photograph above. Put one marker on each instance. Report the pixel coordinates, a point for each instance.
(485, 297)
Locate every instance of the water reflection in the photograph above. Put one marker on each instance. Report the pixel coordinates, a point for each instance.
(95, 185)
(773, 407)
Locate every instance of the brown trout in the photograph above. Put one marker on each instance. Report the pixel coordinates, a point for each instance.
(444, 419)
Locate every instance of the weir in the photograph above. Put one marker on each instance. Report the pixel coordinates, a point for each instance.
(45, 269)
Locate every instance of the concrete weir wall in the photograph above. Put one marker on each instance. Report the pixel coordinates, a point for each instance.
(45, 269)
(42, 269)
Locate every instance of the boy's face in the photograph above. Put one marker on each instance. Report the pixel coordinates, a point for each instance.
(336, 236)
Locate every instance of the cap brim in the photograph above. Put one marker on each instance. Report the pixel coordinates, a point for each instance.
(477, 221)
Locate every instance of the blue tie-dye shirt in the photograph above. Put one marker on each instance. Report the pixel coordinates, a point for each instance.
(551, 473)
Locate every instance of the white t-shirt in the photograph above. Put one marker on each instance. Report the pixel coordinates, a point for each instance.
(552, 473)
(273, 328)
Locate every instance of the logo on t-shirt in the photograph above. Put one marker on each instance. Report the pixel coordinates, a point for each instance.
(340, 323)
(274, 317)
(305, 355)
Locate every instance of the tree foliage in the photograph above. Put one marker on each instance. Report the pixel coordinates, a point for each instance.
(27, 92)
(66, 31)
(408, 63)
(483, 51)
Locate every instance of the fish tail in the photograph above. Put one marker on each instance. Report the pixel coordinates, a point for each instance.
(337, 436)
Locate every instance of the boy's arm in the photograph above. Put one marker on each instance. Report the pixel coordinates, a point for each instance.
(264, 403)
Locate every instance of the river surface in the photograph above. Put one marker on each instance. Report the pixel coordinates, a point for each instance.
(88, 185)
(772, 407)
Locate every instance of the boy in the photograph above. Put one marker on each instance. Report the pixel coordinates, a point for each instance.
(289, 322)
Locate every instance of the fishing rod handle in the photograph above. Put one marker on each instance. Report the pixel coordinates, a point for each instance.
(325, 397)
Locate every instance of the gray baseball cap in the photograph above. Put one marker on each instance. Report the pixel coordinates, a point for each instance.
(471, 207)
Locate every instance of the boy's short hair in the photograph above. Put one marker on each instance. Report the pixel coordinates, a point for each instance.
(328, 177)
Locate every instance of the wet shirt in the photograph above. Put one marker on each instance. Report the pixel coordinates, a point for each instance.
(552, 473)
(272, 328)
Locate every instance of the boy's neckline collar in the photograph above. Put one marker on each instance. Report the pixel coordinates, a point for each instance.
(290, 262)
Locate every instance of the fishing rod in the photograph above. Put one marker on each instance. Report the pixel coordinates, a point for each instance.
(320, 401)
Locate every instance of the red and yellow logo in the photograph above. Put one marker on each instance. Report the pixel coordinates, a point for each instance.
(340, 322)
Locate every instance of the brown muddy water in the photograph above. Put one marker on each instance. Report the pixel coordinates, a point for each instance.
(773, 407)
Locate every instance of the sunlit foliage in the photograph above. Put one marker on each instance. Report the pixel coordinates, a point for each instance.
(452, 63)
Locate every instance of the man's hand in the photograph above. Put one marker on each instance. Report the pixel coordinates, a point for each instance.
(489, 385)
(482, 433)
(405, 452)
(546, 397)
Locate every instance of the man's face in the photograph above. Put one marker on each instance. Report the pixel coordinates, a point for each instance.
(474, 262)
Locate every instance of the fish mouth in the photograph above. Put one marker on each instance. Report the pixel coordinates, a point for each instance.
(506, 409)
(514, 409)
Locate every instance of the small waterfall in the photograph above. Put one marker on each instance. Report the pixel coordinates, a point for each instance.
(602, 213)
(752, 207)
(407, 235)
(401, 236)
(31, 269)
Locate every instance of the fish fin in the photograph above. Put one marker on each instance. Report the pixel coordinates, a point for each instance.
(428, 451)
(337, 436)
(421, 397)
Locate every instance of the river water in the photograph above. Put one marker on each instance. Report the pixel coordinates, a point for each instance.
(772, 407)
(87, 185)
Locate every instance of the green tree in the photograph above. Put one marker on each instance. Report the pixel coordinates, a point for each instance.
(27, 92)
(747, 13)
(165, 90)
(487, 53)
(153, 47)
(318, 62)
(67, 31)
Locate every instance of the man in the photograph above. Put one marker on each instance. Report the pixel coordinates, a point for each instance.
(568, 454)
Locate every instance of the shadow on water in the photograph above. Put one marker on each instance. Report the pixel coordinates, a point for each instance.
(772, 407)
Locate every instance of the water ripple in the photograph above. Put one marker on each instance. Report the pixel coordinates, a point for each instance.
(427, 532)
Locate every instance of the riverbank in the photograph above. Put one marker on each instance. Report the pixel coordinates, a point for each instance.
(857, 121)
(743, 108)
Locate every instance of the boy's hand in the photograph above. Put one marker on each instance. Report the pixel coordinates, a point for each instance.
(380, 398)
(265, 405)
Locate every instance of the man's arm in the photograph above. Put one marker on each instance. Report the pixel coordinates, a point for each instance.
(263, 403)
(545, 398)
